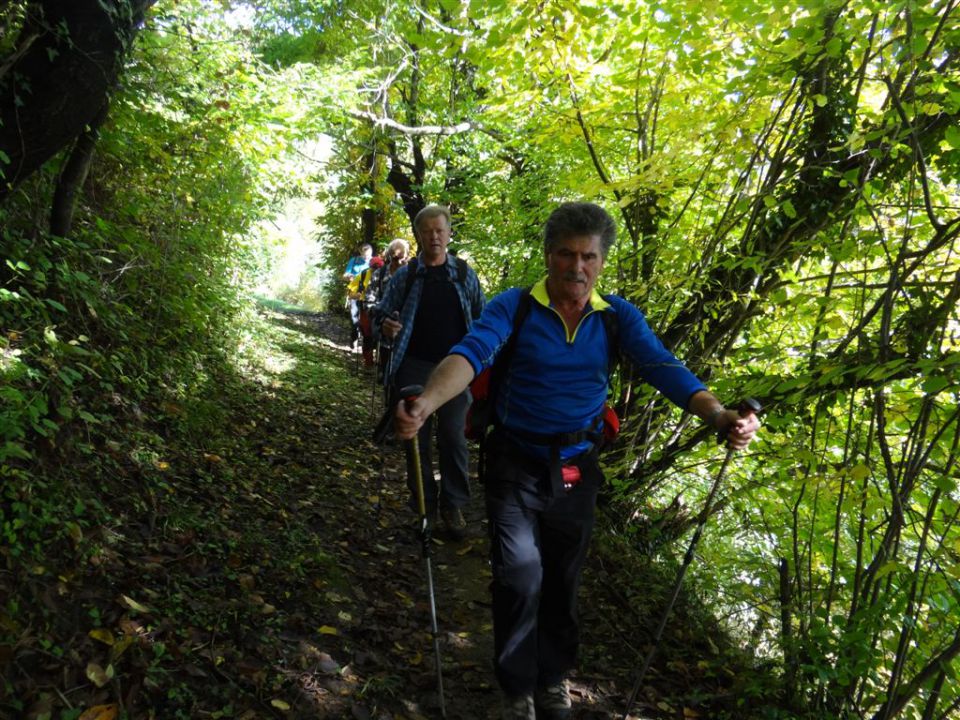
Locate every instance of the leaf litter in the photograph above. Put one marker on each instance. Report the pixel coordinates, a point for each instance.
(278, 575)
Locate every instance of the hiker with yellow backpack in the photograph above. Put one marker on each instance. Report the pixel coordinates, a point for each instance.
(542, 473)
(363, 290)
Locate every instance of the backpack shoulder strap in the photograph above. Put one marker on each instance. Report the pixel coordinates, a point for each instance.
(611, 324)
(411, 276)
(461, 271)
(502, 363)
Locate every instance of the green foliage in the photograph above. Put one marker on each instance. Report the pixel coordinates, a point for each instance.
(785, 181)
(140, 304)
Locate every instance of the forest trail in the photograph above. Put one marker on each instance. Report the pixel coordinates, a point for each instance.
(279, 574)
(370, 654)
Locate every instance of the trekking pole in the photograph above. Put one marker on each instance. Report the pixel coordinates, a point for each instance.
(388, 370)
(409, 394)
(357, 351)
(373, 381)
(749, 406)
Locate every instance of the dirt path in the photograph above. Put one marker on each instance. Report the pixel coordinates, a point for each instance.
(261, 562)
(392, 645)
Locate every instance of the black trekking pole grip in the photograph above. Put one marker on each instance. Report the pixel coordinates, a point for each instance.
(409, 393)
(746, 407)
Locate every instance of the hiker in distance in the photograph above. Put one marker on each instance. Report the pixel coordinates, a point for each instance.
(356, 265)
(542, 474)
(395, 257)
(363, 290)
(437, 298)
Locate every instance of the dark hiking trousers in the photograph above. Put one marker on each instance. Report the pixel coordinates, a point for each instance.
(538, 544)
(454, 487)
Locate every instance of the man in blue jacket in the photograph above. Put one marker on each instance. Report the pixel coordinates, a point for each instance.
(436, 298)
(553, 394)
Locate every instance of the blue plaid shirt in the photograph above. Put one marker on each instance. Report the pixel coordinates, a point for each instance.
(471, 297)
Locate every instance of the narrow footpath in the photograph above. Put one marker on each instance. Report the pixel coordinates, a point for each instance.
(371, 641)
(260, 561)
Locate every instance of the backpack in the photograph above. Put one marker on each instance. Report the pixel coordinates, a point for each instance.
(481, 414)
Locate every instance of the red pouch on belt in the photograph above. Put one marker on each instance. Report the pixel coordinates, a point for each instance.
(570, 475)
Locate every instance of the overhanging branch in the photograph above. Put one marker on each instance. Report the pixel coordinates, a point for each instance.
(419, 130)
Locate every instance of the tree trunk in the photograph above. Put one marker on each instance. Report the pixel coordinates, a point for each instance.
(73, 175)
(66, 65)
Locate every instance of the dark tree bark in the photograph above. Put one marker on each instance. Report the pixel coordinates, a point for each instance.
(54, 84)
(73, 175)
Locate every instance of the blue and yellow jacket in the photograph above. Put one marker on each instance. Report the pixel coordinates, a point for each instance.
(557, 381)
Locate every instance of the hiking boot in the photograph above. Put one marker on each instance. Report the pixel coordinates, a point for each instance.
(519, 707)
(553, 701)
(453, 520)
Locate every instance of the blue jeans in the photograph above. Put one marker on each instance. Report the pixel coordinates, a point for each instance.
(453, 490)
(538, 545)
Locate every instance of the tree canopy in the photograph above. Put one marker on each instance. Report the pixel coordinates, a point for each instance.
(785, 180)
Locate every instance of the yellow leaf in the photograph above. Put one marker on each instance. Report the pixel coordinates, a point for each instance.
(416, 659)
(98, 676)
(690, 713)
(75, 532)
(121, 646)
(327, 630)
(345, 616)
(134, 605)
(373, 499)
(161, 465)
(99, 712)
(280, 704)
(103, 635)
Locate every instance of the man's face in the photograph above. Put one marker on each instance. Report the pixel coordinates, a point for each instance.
(434, 235)
(572, 268)
(399, 257)
(367, 252)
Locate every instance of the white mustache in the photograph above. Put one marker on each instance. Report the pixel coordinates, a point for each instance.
(574, 277)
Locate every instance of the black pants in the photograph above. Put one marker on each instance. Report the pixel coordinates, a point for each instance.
(538, 544)
(453, 491)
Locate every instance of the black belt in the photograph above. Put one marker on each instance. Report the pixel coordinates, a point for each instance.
(556, 441)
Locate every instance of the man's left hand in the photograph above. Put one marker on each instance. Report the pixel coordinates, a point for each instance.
(739, 430)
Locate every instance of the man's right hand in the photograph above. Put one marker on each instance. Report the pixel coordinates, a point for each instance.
(390, 328)
(409, 417)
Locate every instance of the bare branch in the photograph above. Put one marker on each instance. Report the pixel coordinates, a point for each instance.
(420, 130)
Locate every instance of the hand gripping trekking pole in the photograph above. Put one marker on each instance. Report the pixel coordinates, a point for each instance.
(409, 394)
(749, 406)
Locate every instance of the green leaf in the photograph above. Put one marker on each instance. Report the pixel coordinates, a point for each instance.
(952, 136)
(886, 569)
(933, 385)
(55, 304)
(945, 483)
(788, 209)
